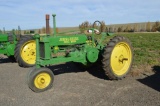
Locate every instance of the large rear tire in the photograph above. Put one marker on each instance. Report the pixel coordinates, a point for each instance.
(117, 58)
(25, 51)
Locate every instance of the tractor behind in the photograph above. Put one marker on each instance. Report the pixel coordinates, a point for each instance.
(18, 48)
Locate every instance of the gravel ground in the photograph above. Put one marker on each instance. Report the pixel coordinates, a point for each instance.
(73, 87)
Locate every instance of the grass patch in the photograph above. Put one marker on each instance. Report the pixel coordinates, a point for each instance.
(146, 48)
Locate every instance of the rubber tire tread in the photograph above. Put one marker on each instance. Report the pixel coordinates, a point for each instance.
(17, 53)
(106, 56)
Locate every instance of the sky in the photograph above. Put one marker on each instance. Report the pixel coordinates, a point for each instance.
(30, 14)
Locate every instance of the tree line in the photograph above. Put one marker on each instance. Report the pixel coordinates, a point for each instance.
(147, 27)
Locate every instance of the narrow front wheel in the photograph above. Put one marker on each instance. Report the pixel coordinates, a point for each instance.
(40, 80)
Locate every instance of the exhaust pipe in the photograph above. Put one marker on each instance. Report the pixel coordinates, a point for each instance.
(47, 24)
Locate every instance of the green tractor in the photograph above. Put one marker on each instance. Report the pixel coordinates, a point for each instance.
(18, 48)
(116, 56)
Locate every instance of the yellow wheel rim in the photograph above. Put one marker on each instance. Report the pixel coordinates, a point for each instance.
(42, 80)
(121, 58)
(28, 52)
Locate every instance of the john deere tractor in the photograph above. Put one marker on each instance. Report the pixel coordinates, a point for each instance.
(18, 48)
(116, 56)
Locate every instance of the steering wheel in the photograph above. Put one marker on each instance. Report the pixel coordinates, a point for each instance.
(97, 27)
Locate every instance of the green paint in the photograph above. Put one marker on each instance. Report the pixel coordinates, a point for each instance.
(67, 48)
(7, 46)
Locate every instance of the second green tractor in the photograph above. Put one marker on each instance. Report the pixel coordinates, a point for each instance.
(20, 48)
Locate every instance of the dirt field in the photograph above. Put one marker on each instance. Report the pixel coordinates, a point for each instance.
(73, 87)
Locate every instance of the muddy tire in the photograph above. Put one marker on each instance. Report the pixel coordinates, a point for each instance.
(117, 58)
(25, 51)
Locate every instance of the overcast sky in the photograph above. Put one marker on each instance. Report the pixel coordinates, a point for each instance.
(30, 14)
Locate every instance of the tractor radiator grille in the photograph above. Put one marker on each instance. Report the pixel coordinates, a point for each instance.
(42, 50)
